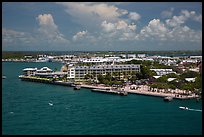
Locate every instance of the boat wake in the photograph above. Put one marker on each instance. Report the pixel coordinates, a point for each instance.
(195, 110)
(186, 108)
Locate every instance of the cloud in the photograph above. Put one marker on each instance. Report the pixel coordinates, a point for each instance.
(108, 27)
(49, 30)
(183, 17)
(91, 14)
(79, 35)
(155, 30)
(120, 30)
(185, 33)
(167, 13)
(10, 36)
(134, 16)
(198, 18)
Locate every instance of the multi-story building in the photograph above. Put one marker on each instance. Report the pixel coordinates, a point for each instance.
(79, 72)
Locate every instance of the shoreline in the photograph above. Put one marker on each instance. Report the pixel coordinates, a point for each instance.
(143, 89)
(144, 92)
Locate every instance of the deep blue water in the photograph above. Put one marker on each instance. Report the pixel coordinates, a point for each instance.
(25, 110)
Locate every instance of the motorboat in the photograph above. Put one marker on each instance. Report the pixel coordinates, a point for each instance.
(168, 98)
(77, 87)
(184, 108)
(3, 77)
(51, 104)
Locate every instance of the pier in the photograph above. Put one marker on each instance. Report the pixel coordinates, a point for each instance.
(44, 80)
(119, 92)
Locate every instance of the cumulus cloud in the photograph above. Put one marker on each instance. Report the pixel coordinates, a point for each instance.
(183, 17)
(134, 16)
(80, 35)
(198, 18)
(155, 29)
(167, 13)
(121, 30)
(10, 36)
(93, 13)
(49, 30)
(108, 27)
(185, 33)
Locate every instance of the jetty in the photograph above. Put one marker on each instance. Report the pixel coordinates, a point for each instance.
(119, 92)
(44, 80)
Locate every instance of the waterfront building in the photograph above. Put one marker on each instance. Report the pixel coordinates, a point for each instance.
(80, 71)
(44, 72)
(29, 71)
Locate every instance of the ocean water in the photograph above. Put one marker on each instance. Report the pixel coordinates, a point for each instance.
(26, 110)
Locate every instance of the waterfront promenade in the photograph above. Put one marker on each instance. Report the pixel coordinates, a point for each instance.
(144, 90)
(138, 89)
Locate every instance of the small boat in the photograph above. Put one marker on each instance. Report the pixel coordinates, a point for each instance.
(168, 98)
(77, 87)
(184, 108)
(51, 104)
(122, 93)
(3, 77)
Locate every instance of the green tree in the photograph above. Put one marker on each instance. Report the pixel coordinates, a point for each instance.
(100, 78)
(162, 79)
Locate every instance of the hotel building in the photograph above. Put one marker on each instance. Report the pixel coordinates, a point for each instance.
(79, 72)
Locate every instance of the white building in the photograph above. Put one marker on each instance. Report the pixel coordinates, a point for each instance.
(81, 71)
(190, 79)
(131, 56)
(161, 72)
(141, 55)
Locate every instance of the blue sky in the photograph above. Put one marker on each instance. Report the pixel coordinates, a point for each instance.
(95, 26)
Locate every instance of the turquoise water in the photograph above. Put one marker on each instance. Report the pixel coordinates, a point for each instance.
(25, 110)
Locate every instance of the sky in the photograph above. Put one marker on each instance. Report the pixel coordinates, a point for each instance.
(101, 26)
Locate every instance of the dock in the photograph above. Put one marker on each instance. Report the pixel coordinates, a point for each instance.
(44, 80)
(119, 92)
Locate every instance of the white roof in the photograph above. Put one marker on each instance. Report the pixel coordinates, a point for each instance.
(156, 77)
(45, 69)
(170, 79)
(29, 69)
(190, 79)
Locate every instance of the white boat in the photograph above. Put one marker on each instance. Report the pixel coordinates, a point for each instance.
(51, 104)
(42, 60)
(3, 77)
(184, 108)
(168, 98)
